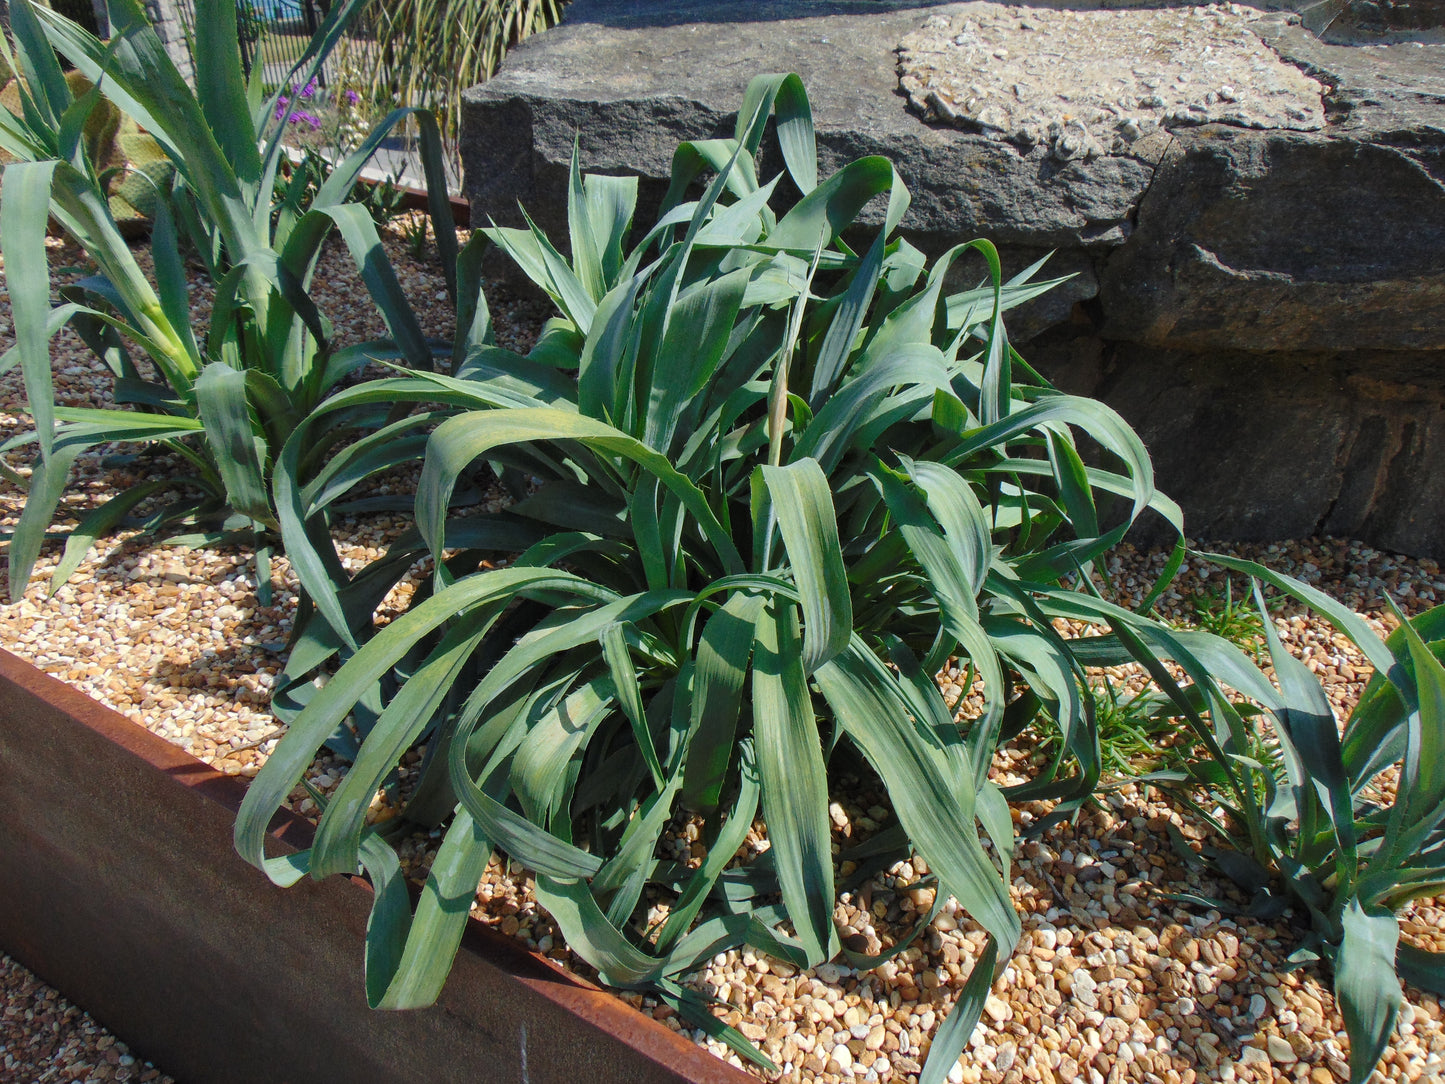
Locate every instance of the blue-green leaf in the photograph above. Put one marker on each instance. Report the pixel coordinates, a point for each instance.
(1366, 985)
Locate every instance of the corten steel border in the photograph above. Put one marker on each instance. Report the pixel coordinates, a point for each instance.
(119, 885)
(415, 199)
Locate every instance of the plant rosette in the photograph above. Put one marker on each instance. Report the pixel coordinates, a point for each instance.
(765, 487)
(768, 478)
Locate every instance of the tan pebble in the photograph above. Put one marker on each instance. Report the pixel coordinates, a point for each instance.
(922, 897)
(1280, 1052)
(1320, 1075)
(875, 1038)
(1208, 1050)
(1253, 1055)
(997, 1009)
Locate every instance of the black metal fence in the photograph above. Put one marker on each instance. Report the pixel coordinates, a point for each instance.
(273, 33)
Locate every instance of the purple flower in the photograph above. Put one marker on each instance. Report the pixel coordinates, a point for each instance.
(281, 104)
(309, 89)
(352, 97)
(306, 118)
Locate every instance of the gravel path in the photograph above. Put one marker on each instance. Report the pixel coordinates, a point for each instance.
(1113, 981)
(43, 1037)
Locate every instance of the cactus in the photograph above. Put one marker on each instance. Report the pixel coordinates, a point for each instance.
(101, 126)
(129, 161)
(146, 173)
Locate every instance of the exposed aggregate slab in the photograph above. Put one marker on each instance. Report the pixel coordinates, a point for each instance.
(1091, 82)
(1111, 982)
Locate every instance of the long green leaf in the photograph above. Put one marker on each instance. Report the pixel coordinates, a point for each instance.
(794, 779)
(624, 677)
(1312, 733)
(732, 836)
(47, 486)
(698, 330)
(957, 1027)
(1341, 616)
(220, 87)
(820, 216)
(862, 694)
(1421, 968)
(722, 664)
(1366, 985)
(44, 89)
(24, 208)
(338, 837)
(441, 917)
(592, 936)
(804, 508)
(226, 414)
(1422, 780)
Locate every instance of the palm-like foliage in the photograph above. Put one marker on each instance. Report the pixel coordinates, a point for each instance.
(227, 400)
(767, 487)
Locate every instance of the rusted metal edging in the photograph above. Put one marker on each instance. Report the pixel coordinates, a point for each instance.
(119, 886)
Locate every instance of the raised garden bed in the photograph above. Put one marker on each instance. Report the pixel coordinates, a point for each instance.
(1160, 976)
(122, 888)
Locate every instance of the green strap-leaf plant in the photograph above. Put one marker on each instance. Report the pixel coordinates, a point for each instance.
(224, 400)
(759, 478)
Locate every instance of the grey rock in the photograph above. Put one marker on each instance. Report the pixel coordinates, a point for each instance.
(1247, 239)
(1299, 241)
(1290, 445)
(1284, 241)
(1077, 66)
(628, 81)
(1267, 305)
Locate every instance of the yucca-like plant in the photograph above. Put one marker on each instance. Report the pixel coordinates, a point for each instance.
(766, 487)
(224, 400)
(1299, 802)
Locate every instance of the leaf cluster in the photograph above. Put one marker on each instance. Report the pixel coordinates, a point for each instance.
(1308, 819)
(766, 484)
(223, 399)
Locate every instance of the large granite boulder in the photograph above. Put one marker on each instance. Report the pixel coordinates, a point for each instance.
(1254, 215)
(1282, 240)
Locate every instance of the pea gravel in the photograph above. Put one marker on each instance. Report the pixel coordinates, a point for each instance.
(43, 1037)
(1112, 981)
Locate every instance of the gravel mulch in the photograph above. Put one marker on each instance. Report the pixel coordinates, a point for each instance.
(1113, 981)
(43, 1038)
